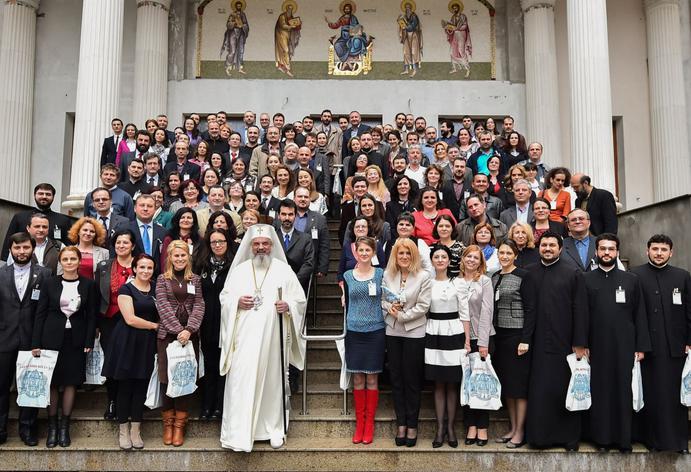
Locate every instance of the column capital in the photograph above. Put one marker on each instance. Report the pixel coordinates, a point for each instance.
(164, 4)
(527, 5)
(656, 3)
(24, 3)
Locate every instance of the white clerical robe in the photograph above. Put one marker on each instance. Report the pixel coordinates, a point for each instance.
(250, 353)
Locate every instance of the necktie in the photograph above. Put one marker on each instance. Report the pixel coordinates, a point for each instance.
(235, 156)
(286, 240)
(264, 200)
(146, 241)
(151, 180)
(117, 142)
(104, 220)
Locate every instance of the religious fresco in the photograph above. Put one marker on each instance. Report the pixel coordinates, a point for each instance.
(346, 39)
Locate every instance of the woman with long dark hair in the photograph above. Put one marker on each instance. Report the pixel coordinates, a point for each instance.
(184, 227)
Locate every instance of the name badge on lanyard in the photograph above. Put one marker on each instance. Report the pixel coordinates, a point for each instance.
(676, 297)
(375, 260)
(57, 233)
(315, 233)
(372, 288)
(35, 294)
(620, 295)
(190, 289)
(553, 205)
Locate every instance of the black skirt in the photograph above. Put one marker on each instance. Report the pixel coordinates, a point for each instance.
(512, 369)
(70, 368)
(443, 343)
(364, 352)
(130, 353)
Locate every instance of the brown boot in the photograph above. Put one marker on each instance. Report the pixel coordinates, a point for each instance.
(168, 420)
(179, 428)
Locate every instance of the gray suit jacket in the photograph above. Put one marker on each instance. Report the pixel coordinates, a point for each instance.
(17, 316)
(570, 253)
(300, 255)
(509, 216)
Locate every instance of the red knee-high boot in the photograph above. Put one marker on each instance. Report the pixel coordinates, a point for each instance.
(359, 399)
(370, 412)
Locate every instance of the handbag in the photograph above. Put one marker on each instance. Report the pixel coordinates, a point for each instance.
(94, 365)
(33, 378)
(686, 381)
(182, 369)
(578, 394)
(154, 397)
(637, 386)
(484, 391)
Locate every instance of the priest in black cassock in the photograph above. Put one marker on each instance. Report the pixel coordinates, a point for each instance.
(557, 326)
(618, 335)
(663, 423)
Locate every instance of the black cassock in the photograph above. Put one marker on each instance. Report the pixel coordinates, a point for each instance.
(558, 322)
(618, 329)
(663, 422)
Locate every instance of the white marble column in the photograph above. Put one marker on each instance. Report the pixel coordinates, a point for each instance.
(669, 132)
(98, 92)
(17, 60)
(151, 60)
(541, 79)
(591, 96)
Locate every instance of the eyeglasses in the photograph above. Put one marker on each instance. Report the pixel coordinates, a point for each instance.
(220, 242)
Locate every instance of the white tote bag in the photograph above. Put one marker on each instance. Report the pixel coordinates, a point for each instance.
(33, 378)
(578, 394)
(154, 397)
(201, 361)
(182, 369)
(484, 389)
(94, 365)
(686, 381)
(465, 380)
(345, 381)
(637, 386)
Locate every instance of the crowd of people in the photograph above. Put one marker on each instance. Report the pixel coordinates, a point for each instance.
(452, 241)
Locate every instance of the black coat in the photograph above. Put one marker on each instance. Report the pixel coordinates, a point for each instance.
(346, 137)
(602, 210)
(109, 151)
(321, 244)
(17, 316)
(49, 327)
(211, 323)
(192, 170)
(21, 220)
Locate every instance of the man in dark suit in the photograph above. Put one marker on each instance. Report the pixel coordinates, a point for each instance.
(20, 285)
(297, 246)
(456, 190)
(599, 204)
(213, 137)
(143, 143)
(356, 129)
(314, 225)
(579, 248)
(135, 184)
(109, 150)
(304, 158)
(149, 235)
(181, 164)
(522, 210)
(58, 224)
(46, 250)
(102, 201)
(268, 204)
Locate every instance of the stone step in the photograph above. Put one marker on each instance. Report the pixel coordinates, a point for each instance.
(329, 302)
(323, 454)
(328, 288)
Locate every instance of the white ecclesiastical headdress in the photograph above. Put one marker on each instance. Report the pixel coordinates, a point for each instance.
(245, 250)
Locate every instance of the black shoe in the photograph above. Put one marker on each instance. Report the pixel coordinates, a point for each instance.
(64, 432)
(400, 441)
(450, 433)
(29, 437)
(411, 442)
(205, 414)
(502, 440)
(110, 413)
(52, 439)
(512, 445)
(470, 441)
(216, 415)
(481, 442)
(438, 441)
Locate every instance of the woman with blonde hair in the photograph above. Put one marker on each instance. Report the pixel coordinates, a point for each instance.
(478, 289)
(376, 185)
(88, 235)
(522, 235)
(181, 308)
(407, 295)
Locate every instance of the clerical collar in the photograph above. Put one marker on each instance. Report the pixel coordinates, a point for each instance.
(657, 266)
(607, 269)
(550, 264)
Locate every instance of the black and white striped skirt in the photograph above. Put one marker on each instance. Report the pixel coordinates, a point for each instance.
(443, 343)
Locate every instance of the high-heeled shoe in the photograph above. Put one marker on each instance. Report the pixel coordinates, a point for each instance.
(481, 442)
(502, 440)
(452, 442)
(400, 441)
(411, 442)
(437, 442)
(513, 445)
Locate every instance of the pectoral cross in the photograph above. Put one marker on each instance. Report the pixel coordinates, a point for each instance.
(257, 300)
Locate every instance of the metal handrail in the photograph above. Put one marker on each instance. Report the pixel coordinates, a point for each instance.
(319, 337)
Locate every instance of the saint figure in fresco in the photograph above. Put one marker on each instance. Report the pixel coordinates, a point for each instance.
(410, 35)
(458, 36)
(286, 36)
(352, 43)
(237, 30)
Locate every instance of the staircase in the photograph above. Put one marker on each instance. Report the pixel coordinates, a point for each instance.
(318, 439)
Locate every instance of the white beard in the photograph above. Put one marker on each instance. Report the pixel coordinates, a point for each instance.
(261, 261)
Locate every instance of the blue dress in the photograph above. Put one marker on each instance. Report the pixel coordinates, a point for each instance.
(366, 336)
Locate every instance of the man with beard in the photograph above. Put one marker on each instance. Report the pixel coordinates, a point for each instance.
(248, 119)
(399, 122)
(456, 190)
(297, 246)
(556, 325)
(663, 423)
(20, 285)
(446, 129)
(142, 147)
(599, 204)
(506, 130)
(334, 135)
(59, 224)
(319, 163)
(251, 142)
(618, 333)
(477, 162)
(477, 214)
(261, 294)
(356, 129)
(214, 139)
(374, 158)
(135, 184)
(420, 126)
